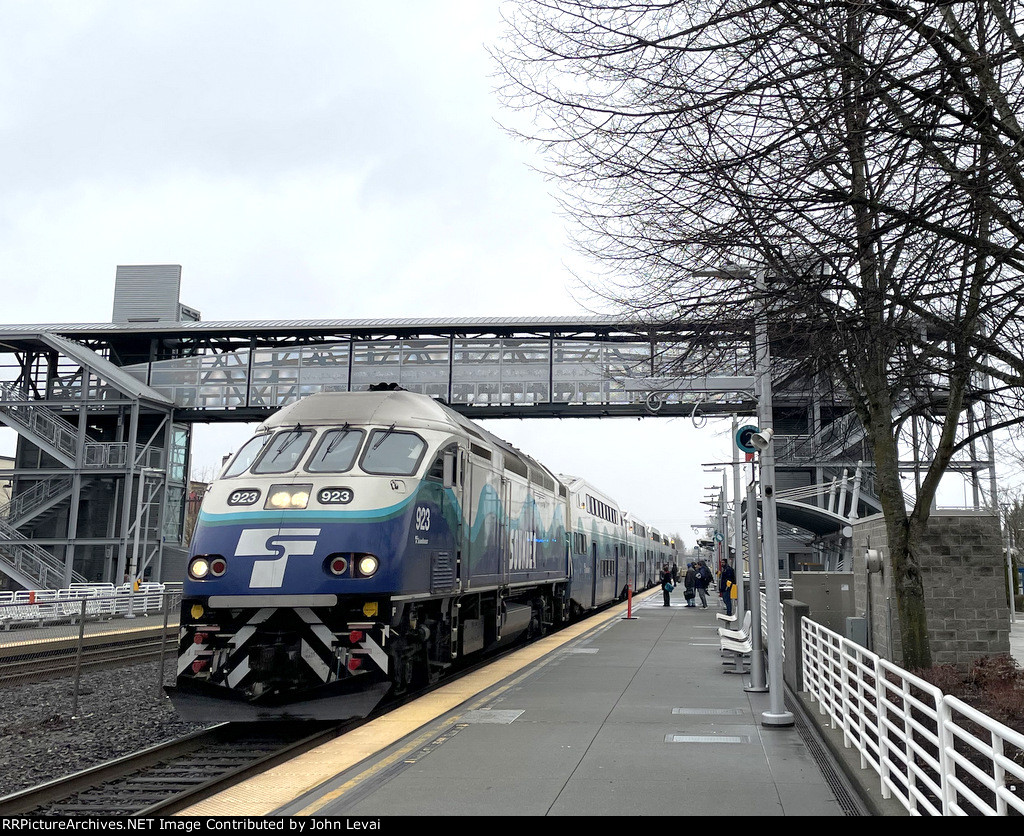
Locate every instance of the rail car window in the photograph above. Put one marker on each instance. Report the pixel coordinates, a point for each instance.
(391, 453)
(602, 510)
(284, 452)
(336, 451)
(247, 455)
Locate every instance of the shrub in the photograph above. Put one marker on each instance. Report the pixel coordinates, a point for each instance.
(992, 684)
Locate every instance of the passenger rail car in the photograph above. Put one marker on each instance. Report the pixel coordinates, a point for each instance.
(599, 546)
(364, 542)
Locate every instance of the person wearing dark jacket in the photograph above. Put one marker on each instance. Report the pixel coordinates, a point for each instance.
(666, 584)
(703, 580)
(690, 585)
(726, 581)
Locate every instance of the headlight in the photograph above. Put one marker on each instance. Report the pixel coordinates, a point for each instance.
(351, 564)
(199, 568)
(367, 565)
(292, 497)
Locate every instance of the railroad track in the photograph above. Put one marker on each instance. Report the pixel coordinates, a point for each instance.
(166, 778)
(58, 658)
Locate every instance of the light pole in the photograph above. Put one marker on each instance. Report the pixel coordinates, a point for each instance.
(757, 675)
(737, 526)
(776, 715)
(1009, 565)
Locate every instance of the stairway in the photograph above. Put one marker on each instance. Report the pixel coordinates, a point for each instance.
(29, 565)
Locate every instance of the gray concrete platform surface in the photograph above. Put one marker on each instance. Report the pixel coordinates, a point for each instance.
(635, 718)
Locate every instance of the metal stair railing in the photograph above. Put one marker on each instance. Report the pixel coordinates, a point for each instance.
(63, 435)
(31, 560)
(53, 429)
(27, 501)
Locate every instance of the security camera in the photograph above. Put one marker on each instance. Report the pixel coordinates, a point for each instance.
(762, 439)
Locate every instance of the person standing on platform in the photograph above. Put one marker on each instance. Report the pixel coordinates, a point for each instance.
(690, 585)
(675, 575)
(666, 584)
(726, 581)
(703, 580)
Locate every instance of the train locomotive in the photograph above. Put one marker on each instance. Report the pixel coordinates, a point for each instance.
(362, 543)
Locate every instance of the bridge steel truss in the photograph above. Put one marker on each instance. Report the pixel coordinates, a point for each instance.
(551, 367)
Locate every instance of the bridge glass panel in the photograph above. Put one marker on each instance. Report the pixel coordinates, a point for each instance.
(211, 381)
(495, 371)
(416, 365)
(275, 377)
(589, 372)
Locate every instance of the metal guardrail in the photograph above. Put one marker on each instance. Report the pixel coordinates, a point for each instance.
(63, 435)
(933, 753)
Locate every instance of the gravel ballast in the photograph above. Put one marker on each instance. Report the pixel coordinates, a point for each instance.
(120, 711)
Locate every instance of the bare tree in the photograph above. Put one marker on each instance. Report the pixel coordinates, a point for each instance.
(862, 157)
(198, 484)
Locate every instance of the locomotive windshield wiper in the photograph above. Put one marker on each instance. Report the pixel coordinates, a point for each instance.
(380, 440)
(288, 441)
(336, 441)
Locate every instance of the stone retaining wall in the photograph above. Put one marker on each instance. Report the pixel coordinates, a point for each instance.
(964, 585)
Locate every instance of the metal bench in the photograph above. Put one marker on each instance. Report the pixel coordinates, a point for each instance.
(736, 645)
(737, 634)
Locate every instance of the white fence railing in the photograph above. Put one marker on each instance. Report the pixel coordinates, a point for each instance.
(34, 607)
(933, 753)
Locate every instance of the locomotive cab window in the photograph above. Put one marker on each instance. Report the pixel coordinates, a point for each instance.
(336, 452)
(247, 455)
(436, 471)
(391, 453)
(284, 451)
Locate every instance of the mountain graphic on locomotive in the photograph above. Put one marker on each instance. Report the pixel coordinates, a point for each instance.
(364, 542)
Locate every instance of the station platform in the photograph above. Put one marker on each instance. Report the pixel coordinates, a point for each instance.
(615, 716)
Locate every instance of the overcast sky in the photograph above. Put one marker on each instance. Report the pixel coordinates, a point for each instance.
(301, 160)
